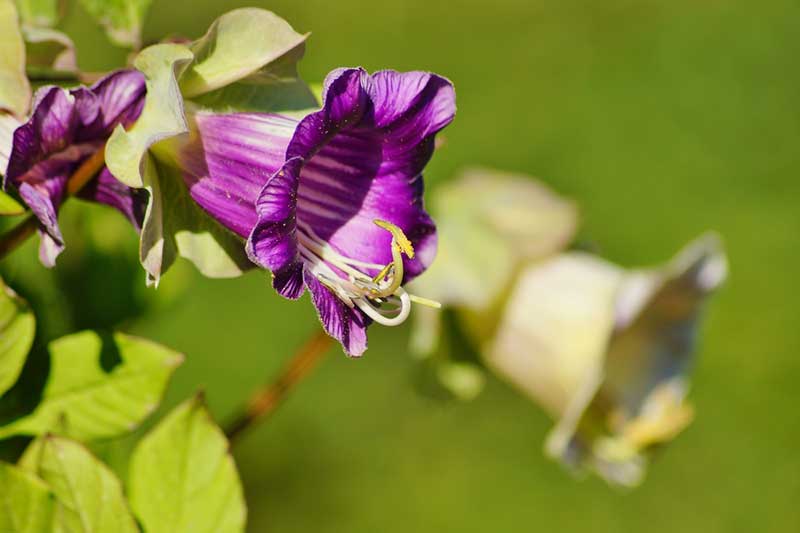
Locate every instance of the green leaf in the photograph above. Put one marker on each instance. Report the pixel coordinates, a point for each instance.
(17, 328)
(49, 52)
(237, 45)
(241, 66)
(40, 13)
(99, 386)
(275, 88)
(15, 91)
(88, 495)
(162, 116)
(26, 501)
(9, 206)
(175, 225)
(122, 19)
(182, 477)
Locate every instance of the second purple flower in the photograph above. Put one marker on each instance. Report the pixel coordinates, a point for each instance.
(65, 129)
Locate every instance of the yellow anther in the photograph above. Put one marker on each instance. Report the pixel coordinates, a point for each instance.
(400, 245)
(399, 238)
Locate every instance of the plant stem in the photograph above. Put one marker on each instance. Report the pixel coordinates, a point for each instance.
(17, 235)
(86, 171)
(11, 240)
(269, 396)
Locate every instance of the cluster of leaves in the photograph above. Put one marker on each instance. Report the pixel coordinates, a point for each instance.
(92, 387)
(50, 53)
(103, 386)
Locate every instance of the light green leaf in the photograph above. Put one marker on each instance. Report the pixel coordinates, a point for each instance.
(275, 88)
(182, 477)
(122, 19)
(25, 500)
(40, 13)
(9, 206)
(8, 124)
(175, 225)
(49, 52)
(15, 91)
(237, 45)
(89, 496)
(99, 386)
(162, 117)
(17, 328)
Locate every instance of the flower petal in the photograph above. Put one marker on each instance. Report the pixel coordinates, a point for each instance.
(657, 316)
(107, 189)
(272, 243)
(234, 158)
(422, 99)
(44, 203)
(43, 186)
(364, 153)
(555, 327)
(120, 99)
(49, 249)
(50, 129)
(347, 325)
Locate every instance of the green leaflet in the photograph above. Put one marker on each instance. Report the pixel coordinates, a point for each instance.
(99, 386)
(49, 52)
(162, 117)
(122, 19)
(239, 66)
(89, 496)
(26, 502)
(15, 91)
(40, 13)
(9, 206)
(17, 328)
(276, 87)
(237, 45)
(182, 477)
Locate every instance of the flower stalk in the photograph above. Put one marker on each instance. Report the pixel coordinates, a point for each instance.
(17, 235)
(266, 399)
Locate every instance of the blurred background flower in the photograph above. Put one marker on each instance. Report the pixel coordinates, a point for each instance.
(606, 351)
(601, 349)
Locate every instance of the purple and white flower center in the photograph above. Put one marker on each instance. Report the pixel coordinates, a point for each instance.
(379, 296)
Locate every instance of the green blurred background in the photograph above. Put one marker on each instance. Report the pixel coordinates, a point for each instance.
(661, 118)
